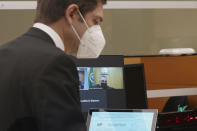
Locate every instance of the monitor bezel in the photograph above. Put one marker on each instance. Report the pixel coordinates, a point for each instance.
(103, 61)
(141, 66)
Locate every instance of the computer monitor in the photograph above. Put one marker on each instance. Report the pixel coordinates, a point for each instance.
(101, 82)
(135, 86)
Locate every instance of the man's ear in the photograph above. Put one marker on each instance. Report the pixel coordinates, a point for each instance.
(71, 13)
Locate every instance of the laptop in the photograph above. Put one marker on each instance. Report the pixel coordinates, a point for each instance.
(122, 120)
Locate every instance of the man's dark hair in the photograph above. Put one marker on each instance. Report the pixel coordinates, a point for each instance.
(49, 11)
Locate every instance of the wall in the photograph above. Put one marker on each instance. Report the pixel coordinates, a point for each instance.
(128, 32)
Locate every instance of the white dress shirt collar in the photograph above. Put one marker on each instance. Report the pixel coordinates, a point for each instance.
(54, 36)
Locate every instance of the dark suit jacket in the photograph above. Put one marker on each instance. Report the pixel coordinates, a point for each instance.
(38, 86)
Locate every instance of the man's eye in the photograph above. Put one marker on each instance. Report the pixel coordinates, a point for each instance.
(96, 22)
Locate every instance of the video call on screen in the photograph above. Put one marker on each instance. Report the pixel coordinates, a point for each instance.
(100, 78)
(98, 85)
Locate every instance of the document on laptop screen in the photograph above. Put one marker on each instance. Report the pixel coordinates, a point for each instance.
(121, 121)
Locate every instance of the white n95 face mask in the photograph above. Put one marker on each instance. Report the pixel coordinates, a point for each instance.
(92, 41)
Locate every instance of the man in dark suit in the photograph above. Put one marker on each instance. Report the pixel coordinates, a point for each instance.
(38, 79)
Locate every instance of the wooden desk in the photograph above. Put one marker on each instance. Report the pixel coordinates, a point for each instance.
(168, 73)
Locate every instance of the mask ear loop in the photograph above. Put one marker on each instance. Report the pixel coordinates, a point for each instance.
(76, 32)
(75, 29)
(83, 19)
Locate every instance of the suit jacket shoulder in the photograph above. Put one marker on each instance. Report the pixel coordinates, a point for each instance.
(39, 86)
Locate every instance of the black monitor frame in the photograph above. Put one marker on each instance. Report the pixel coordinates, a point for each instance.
(107, 61)
(141, 67)
(102, 61)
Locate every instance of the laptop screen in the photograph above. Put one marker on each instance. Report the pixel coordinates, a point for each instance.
(122, 121)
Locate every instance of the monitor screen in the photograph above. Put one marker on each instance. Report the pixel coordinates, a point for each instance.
(101, 82)
(121, 121)
(115, 120)
(100, 78)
